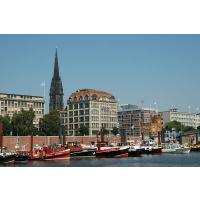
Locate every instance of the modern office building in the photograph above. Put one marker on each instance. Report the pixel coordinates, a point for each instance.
(92, 109)
(139, 122)
(56, 91)
(185, 118)
(14, 103)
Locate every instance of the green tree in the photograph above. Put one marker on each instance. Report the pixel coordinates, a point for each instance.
(50, 124)
(83, 131)
(7, 127)
(22, 122)
(105, 131)
(188, 128)
(174, 124)
(115, 131)
(178, 126)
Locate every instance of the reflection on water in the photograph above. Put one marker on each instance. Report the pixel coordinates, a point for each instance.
(163, 160)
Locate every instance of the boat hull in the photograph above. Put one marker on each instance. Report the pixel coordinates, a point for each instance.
(112, 153)
(152, 151)
(65, 155)
(21, 158)
(195, 149)
(135, 153)
(84, 153)
(7, 159)
(177, 151)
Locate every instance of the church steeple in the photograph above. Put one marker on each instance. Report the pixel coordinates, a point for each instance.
(56, 90)
(56, 66)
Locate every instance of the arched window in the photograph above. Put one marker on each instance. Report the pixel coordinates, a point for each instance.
(75, 98)
(86, 97)
(80, 98)
(94, 97)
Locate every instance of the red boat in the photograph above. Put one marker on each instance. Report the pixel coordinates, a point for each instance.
(36, 153)
(78, 150)
(56, 153)
(112, 152)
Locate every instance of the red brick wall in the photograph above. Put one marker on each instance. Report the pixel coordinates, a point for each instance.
(10, 141)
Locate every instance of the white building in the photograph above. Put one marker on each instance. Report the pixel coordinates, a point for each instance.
(91, 108)
(14, 103)
(185, 118)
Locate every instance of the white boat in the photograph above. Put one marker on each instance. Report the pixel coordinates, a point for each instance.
(175, 148)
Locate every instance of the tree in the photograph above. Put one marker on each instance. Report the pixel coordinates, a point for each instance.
(105, 131)
(115, 131)
(83, 130)
(178, 126)
(198, 128)
(7, 127)
(188, 128)
(22, 122)
(174, 124)
(50, 124)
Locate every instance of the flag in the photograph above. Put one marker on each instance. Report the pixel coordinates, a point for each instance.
(43, 84)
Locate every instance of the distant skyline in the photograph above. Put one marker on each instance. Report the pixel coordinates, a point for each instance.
(152, 68)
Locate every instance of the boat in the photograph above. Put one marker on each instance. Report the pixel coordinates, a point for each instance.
(78, 150)
(195, 148)
(22, 156)
(150, 147)
(84, 153)
(7, 157)
(55, 152)
(152, 150)
(36, 153)
(175, 148)
(135, 151)
(112, 152)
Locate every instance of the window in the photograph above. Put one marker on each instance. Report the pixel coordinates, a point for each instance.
(70, 107)
(86, 98)
(75, 106)
(87, 112)
(81, 105)
(94, 97)
(81, 112)
(71, 113)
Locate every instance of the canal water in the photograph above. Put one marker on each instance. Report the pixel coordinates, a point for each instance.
(162, 160)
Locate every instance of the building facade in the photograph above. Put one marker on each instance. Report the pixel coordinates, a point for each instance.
(56, 91)
(185, 118)
(139, 122)
(92, 109)
(14, 103)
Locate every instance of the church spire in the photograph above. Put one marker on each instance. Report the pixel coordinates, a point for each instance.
(56, 66)
(56, 90)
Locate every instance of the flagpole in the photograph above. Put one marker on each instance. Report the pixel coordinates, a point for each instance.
(43, 84)
(44, 96)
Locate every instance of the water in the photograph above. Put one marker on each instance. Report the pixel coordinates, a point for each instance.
(162, 160)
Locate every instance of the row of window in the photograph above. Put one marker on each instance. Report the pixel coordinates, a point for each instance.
(78, 113)
(78, 106)
(21, 104)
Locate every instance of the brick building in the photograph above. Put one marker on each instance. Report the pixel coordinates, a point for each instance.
(139, 122)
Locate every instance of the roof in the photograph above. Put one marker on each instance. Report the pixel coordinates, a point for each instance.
(89, 93)
(21, 95)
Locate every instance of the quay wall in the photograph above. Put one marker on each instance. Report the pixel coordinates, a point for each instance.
(10, 141)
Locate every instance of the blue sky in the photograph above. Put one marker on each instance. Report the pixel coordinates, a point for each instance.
(161, 68)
